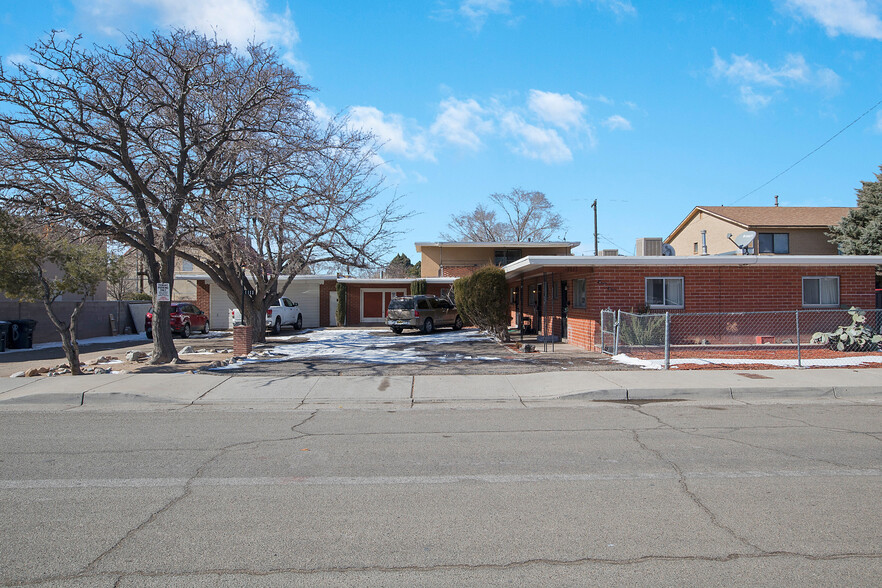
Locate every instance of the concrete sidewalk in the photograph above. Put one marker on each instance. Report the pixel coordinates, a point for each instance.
(203, 390)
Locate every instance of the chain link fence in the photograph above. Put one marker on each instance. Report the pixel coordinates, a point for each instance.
(803, 338)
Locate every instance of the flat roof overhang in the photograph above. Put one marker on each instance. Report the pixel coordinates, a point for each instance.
(533, 263)
(500, 244)
(394, 281)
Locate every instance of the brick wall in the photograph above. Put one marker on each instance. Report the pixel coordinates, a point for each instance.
(458, 271)
(707, 289)
(203, 296)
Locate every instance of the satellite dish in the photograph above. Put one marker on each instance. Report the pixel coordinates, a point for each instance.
(668, 249)
(744, 241)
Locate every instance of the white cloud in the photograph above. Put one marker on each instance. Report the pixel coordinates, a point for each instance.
(18, 59)
(393, 132)
(617, 123)
(321, 112)
(848, 17)
(619, 7)
(477, 11)
(460, 123)
(236, 21)
(535, 142)
(758, 82)
(561, 110)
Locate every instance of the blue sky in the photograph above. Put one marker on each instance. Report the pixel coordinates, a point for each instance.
(652, 108)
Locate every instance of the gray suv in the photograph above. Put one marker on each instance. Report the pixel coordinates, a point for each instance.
(425, 313)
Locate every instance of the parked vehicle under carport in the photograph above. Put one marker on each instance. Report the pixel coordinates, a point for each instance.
(425, 313)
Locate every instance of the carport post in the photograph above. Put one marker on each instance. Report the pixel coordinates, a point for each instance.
(667, 340)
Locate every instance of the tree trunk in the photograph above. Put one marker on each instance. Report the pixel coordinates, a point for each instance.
(68, 333)
(164, 351)
(257, 320)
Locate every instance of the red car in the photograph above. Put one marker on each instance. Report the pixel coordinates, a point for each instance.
(185, 318)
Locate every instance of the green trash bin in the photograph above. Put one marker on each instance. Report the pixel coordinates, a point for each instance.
(4, 333)
(21, 334)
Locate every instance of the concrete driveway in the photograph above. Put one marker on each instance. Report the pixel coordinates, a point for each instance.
(341, 351)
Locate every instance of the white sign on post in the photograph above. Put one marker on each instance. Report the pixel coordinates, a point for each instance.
(163, 293)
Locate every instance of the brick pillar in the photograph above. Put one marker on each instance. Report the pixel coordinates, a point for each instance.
(203, 296)
(242, 339)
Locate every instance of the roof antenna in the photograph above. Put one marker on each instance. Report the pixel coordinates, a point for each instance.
(776, 200)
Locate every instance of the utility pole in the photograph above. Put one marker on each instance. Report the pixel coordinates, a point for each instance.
(594, 206)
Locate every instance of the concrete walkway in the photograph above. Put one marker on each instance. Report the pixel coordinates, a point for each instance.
(176, 391)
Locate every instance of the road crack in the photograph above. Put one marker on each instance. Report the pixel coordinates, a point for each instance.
(187, 490)
(769, 555)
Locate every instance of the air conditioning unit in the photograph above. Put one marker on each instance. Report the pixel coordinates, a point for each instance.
(649, 246)
(609, 252)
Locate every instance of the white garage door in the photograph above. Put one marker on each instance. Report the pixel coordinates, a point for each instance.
(220, 309)
(305, 292)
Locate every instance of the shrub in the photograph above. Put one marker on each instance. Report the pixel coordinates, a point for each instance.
(138, 296)
(483, 299)
(341, 304)
(418, 287)
(854, 337)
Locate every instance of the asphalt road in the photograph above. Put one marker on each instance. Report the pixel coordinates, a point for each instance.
(662, 494)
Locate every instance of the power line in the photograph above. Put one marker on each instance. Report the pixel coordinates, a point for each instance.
(812, 152)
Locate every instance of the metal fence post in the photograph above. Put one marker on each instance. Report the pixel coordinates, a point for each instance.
(616, 328)
(667, 340)
(798, 343)
(602, 330)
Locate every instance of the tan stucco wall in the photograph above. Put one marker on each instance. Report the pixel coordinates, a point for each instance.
(433, 257)
(802, 241)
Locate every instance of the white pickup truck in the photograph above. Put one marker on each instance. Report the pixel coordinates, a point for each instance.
(284, 312)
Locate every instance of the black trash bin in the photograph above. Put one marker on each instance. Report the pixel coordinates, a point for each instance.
(4, 334)
(21, 334)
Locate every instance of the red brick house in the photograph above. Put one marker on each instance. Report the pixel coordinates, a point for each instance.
(564, 296)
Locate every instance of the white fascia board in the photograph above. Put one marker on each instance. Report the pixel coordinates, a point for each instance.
(207, 278)
(537, 262)
(519, 244)
(394, 281)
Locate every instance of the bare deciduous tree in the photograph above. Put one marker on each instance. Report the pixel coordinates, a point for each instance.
(126, 142)
(313, 199)
(523, 216)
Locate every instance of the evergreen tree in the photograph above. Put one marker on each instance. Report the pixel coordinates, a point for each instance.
(860, 231)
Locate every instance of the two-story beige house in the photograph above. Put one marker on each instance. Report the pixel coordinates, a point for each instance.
(455, 259)
(780, 230)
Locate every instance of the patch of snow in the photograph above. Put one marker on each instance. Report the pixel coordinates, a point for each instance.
(658, 364)
(367, 346)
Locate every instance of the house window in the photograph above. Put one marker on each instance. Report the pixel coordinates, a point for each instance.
(580, 298)
(774, 242)
(820, 291)
(664, 292)
(186, 266)
(695, 248)
(506, 256)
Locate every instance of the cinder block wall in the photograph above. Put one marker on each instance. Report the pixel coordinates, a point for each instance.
(93, 321)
